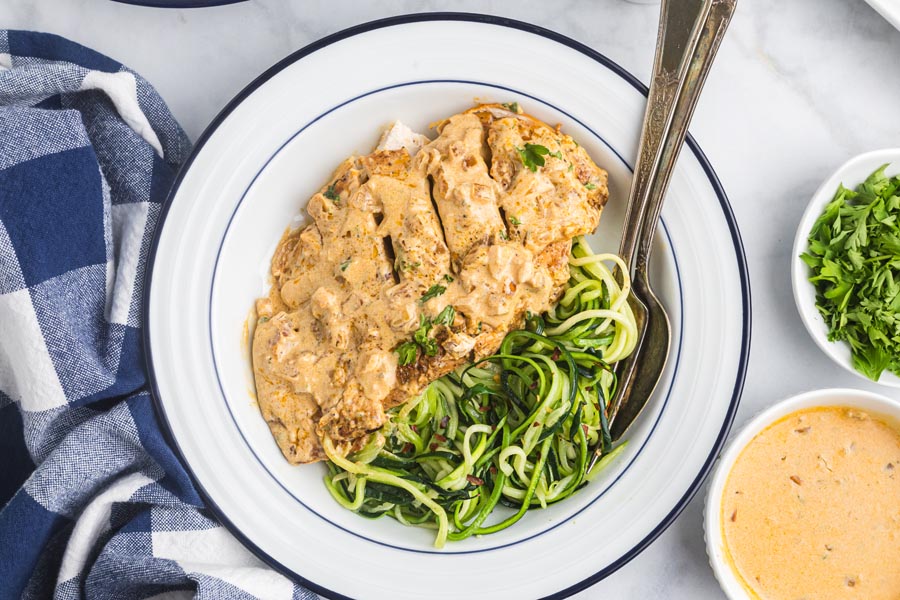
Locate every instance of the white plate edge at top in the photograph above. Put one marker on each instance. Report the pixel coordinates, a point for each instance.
(888, 9)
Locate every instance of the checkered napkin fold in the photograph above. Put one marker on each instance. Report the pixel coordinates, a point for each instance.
(95, 503)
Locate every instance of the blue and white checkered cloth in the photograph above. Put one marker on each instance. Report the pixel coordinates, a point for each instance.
(95, 503)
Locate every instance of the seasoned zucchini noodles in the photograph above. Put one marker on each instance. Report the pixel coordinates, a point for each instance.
(515, 428)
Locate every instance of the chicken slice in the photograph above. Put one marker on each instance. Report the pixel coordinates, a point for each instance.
(465, 194)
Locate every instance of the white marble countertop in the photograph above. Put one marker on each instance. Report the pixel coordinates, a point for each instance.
(798, 88)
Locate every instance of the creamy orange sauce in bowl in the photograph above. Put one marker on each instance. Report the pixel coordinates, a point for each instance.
(805, 503)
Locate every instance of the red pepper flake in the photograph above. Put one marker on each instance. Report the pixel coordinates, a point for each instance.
(407, 448)
(796, 480)
(440, 438)
(585, 428)
(589, 388)
(433, 447)
(493, 470)
(734, 516)
(556, 354)
(533, 385)
(444, 421)
(414, 428)
(474, 480)
(484, 408)
(535, 424)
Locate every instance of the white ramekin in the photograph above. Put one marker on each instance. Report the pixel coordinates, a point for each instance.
(875, 404)
(850, 174)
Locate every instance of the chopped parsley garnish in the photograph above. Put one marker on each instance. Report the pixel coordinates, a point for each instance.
(345, 264)
(515, 221)
(571, 167)
(589, 185)
(532, 156)
(331, 194)
(504, 235)
(402, 265)
(429, 345)
(446, 316)
(558, 154)
(433, 292)
(512, 106)
(406, 353)
(853, 256)
(448, 278)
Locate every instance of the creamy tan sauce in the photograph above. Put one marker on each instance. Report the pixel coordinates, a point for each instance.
(811, 508)
(462, 217)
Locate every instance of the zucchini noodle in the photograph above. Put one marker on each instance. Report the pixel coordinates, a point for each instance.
(515, 428)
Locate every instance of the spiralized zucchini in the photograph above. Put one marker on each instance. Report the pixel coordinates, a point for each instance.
(515, 429)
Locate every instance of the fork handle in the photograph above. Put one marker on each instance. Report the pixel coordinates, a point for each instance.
(707, 45)
(680, 26)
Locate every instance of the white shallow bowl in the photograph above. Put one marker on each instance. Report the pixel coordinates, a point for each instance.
(850, 174)
(712, 524)
(249, 177)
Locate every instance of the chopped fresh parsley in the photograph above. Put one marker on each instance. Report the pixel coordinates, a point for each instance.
(532, 156)
(331, 194)
(429, 345)
(406, 353)
(589, 185)
(558, 154)
(571, 167)
(504, 235)
(854, 257)
(514, 220)
(345, 264)
(402, 265)
(446, 316)
(447, 278)
(512, 106)
(433, 292)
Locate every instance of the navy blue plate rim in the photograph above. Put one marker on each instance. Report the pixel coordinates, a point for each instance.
(178, 3)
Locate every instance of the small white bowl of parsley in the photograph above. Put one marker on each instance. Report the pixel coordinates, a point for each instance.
(846, 266)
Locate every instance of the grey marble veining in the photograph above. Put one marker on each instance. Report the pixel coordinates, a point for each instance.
(799, 87)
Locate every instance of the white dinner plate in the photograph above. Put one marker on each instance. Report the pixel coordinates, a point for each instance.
(250, 176)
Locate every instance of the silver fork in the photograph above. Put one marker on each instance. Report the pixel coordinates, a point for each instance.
(690, 32)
